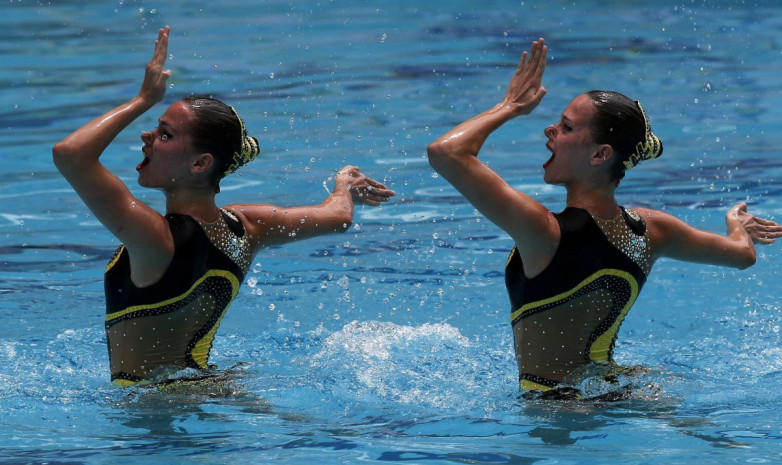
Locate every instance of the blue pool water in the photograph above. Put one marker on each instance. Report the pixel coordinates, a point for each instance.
(391, 343)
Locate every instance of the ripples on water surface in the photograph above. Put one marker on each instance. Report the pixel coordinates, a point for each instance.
(391, 342)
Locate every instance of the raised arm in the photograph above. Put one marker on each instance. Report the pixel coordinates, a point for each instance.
(270, 225)
(144, 231)
(674, 238)
(455, 156)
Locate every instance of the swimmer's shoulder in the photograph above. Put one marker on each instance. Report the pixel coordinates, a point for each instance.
(665, 231)
(656, 219)
(253, 216)
(257, 220)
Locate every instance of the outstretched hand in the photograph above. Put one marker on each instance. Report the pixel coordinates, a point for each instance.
(526, 90)
(760, 230)
(363, 189)
(153, 89)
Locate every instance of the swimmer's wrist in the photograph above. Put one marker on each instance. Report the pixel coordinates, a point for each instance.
(341, 187)
(508, 110)
(144, 102)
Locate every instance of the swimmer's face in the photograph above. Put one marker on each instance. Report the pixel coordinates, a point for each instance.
(168, 151)
(570, 142)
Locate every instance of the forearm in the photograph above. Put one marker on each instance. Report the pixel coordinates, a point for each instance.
(466, 139)
(713, 249)
(270, 225)
(450, 153)
(87, 143)
(674, 238)
(83, 148)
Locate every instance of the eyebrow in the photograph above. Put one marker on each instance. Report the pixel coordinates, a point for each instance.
(162, 123)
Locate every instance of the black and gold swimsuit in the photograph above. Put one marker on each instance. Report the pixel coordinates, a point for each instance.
(172, 323)
(568, 316)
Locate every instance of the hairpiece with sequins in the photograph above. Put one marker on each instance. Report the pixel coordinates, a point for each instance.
(248, 152)
(649, 148)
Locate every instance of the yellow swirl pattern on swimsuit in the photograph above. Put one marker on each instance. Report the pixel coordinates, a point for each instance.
(607, 296)
(132, 311)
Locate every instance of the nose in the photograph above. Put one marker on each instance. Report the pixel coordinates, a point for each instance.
(550, 131)
(146, 136)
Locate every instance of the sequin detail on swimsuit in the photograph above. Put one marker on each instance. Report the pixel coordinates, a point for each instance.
(236, 248)
(634, 246)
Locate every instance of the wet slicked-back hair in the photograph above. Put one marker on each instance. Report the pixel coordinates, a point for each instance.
(621, 123)
(216, 130)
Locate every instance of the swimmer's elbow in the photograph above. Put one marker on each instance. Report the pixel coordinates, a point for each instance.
(65, 157)
(438, 155)
(345, 225)
(744, 257)
(58, 151)
(434, 151)
(61, 155)
(343, 220)
(749, 257)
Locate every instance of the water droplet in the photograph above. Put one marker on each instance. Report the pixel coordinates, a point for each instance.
(344, 282)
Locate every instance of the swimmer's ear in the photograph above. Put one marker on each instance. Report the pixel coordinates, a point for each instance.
(202, 163)
(603, 153)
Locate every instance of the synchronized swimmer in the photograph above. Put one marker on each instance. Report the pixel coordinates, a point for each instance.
(171, 281)
(573, 276)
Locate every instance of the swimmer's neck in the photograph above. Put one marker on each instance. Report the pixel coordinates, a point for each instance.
(200, 205)
(599, 202)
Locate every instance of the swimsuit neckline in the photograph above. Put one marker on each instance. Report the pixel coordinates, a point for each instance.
(616, 218)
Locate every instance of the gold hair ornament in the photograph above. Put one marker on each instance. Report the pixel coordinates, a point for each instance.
(249, 150)
(647, 149)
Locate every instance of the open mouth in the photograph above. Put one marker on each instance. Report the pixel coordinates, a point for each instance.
(143, 163)
(548, 162)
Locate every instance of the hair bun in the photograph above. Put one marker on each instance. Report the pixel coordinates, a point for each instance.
(249, 151)
(649, 148)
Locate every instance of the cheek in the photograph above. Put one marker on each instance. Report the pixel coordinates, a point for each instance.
(585, 138)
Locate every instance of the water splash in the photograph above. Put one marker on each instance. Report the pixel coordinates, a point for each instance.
(431, 365)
